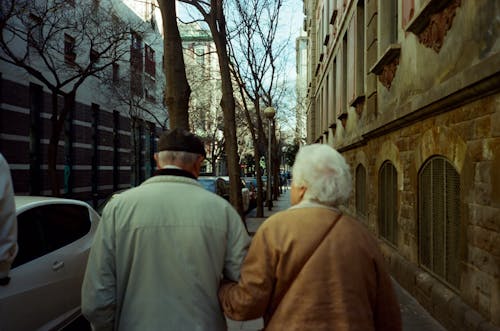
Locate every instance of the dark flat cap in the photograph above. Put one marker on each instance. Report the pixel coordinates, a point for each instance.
(181, 140)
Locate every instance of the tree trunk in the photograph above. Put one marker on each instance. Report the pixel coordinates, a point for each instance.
(177, 89)
(217, 24)
(57, 127)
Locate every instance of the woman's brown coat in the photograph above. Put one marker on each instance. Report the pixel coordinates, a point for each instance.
(299, 275)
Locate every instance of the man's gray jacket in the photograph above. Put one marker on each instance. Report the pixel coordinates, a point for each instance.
(158, 256)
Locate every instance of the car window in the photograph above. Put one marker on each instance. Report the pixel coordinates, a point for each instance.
(208, 184)
(44, 229)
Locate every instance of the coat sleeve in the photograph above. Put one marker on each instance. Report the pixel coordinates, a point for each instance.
(99, 284)
(237, 245)
(249, 298)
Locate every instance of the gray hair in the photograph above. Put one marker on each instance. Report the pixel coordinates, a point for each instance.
(324, 172)
(177, 157)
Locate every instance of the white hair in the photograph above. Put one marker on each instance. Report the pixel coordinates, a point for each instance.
(324, 172)
(177, 158)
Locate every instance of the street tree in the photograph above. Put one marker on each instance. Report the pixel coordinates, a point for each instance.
(256, 56)
(213, 14)
(62, 46)
(177, 89)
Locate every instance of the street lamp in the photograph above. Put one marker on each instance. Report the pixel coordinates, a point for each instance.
(269, 112)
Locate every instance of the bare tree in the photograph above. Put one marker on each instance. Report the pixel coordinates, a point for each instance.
(255, 54)
(62, 46)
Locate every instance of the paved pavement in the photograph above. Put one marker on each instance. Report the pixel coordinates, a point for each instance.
(415, 317)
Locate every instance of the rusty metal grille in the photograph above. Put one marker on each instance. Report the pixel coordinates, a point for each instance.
(361, 190)
(388, 202)
(439, 219)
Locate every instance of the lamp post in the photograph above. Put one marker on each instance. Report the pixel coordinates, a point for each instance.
(269, 112)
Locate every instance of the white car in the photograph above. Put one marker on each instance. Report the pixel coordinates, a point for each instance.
(54, 239)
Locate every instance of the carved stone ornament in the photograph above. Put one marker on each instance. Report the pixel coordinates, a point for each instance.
(388, 73)
(439, 24)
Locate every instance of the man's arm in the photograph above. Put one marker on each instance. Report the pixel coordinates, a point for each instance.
(99, 284)
(237, 246)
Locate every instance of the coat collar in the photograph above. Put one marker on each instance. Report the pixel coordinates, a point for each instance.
(313, 204)
(172, 176)
(174, 172)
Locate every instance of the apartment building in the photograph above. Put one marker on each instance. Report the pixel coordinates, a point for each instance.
(409, 92)
(113, 114)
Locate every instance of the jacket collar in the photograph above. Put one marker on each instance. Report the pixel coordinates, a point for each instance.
(313, 204)
(174, 172)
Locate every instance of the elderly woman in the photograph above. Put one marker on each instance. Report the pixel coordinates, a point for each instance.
(311, 267)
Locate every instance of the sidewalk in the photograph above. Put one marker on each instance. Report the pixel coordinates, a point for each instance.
(415, 317)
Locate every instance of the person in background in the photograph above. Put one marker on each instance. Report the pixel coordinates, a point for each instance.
(160, 249)
(8, 222)
(311, 267)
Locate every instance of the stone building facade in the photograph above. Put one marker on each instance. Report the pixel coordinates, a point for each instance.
(409, 92)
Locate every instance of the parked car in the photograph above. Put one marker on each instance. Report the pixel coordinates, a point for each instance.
(215, 184)
(220, 185)
(54, 239)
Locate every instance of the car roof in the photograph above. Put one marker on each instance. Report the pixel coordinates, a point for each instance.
(23, 201)
(208, 177)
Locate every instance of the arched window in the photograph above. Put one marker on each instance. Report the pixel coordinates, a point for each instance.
(439, 219)
(361, 190)
(388, 202)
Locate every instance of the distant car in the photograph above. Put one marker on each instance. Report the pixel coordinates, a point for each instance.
(54, 239)
(215, 184)
(220, 186)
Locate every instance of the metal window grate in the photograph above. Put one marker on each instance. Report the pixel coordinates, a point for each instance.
(439, 219)
(388, 202)
(361, 190)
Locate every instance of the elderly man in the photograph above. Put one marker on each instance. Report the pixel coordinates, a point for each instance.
(311, 267)
(161, 249)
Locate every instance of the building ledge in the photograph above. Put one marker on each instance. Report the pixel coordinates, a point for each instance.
(421, 20)
(392, 52)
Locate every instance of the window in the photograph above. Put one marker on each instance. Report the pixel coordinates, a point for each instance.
(439, 219)
(361, 190)
(356, 55)
(149, 60)
(388, 202)
(44, 229)
(388, 33)
(69, 49)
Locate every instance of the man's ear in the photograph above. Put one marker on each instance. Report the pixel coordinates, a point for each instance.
(155, 155)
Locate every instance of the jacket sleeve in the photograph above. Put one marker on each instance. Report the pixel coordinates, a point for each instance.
(99, 283)
(8, 221)
(249, 298)
(238, 241)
